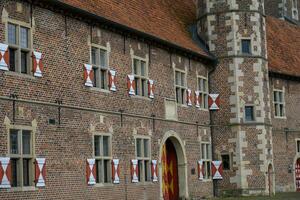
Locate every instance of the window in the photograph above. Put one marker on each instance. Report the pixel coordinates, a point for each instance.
(142, 150)
(180, 86)
(203, 92)
(206, 157)
(226, 161)
(102, 151)
(249, 113)
(279, 103)
(19, 48)
(99, 59)
(298, 146)
(140, 77)
(20, 150)
(246, 46)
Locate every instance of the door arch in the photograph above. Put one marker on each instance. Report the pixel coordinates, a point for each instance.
(172, 145)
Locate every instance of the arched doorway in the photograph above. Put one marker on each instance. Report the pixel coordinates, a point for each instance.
(173, 168)
(297, 174)
(170, 186)
(270, 179)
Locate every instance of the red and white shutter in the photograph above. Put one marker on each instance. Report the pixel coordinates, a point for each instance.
(197, 99)
(5, 172)
(88, 75)
(4, 57)
(217, 169)
(115, 171)
(214, 101)
(37, 64)
(112, 80)
(189, 97)
(154, 170)
(134, 171)
(151, 89)
(200, 170)
(40, 172)
(91, 171)
(131, 84)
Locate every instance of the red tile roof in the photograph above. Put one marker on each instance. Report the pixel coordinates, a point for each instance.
(165, 19)
(283, 47)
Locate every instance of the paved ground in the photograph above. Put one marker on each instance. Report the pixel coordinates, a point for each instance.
(278, 196)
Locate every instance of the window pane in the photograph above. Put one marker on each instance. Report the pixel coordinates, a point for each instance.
(146, 148)
(97, 145)
(138, 148)
(205, 89)
(281, 110)
(12, 59)
(226, 162)
(182, 96)
(14, 172)
(280, 97)
(143, 68)
(182, 79)
(14, 144)
(12, 34)
(207, 151)
(103, 79)
(26, 167)
(144, 87)
(107, 171)
(208, 169)
(203, 151)
(135, 66)
(178, 95)
(246, 46)
(178, 78)
(205, 101)
(105, 145)
(24, 62)
(26, 142)
(147, 173)
(98, 171)
(103, 58)
(24, 37)
(96, 77)
(137, 86)
(140, 171)
(249, 113)
(94, 55)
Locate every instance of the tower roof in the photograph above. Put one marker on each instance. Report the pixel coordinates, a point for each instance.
(283, 47)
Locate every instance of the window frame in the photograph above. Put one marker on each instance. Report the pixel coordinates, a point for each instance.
(18, 48)
(97, 82)
(144, 159)
(254, 113)
(180, 86)
(206, 160)
(102, 158)
(278, 103)
(20, 156)
(138, 78)
(230, 160)
(203, 93)
(250, 46)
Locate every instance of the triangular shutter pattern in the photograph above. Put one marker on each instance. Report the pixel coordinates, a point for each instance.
(40, 172)
(5, 172)
(200, 170)
(131, 84)
(91, 171)
(115, 171)
(154, 170)
(37, 64)
(112, 80)
(151, 89)
(189, 97)
(217, 169)
(214, 102)
(88, 75)
(134, 171)
(4, 57)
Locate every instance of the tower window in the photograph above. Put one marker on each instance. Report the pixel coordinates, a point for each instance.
(226, 161)
(246, 46)
(249, 113)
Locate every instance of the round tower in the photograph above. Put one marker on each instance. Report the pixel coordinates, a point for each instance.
(235, 31)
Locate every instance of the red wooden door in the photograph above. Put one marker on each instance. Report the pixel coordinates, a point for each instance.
(170, 172)
(297, 174)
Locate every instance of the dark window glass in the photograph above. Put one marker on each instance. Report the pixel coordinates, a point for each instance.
(12, 34)
(147, 170)
(246, 46)
(14, 144)
(249, 113)
(24, 37)
(14, 172)
(97, 145)
(26, 140)
(98, 171)
(137, 86)
(140, 163)
(106, 171)
(298, 146)
(103, 58)
(95, 84)
(226, 162)
(103, 79)
(24, 62)
(138, 147)
(94, 53)
(26, 163)
(105, 146)
(12, 59)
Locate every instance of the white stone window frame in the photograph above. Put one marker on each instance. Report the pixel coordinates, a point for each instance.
(251, 46)
(206, 160)
(20, 156)
(98, 65)
(275, 103)
(254, 113)
(203, 93)
(143, 158)
(140, 77)
(18, 47)
(101, 157)
(180, 86)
